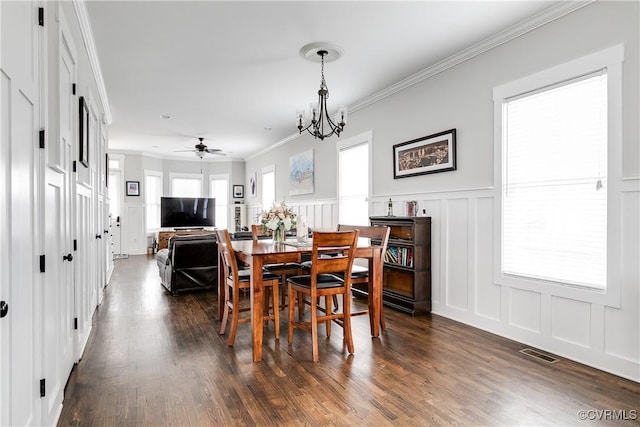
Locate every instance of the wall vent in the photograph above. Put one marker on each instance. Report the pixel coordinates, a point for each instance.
(545, 357)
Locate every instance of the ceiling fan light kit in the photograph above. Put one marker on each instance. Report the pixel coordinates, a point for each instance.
(321, 125)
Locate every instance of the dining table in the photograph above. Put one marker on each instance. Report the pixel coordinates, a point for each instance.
(257, 254)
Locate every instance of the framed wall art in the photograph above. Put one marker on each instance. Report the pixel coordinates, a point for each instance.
(301, 173)
(429, 154)
(83, 134)
(238, 191)
(133, 188)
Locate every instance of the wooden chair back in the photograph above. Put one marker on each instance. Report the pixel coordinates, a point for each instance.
(375, 233)
(229, 263)
(257, 231)
(340, 245)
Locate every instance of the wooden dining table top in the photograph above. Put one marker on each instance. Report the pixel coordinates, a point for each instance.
(256, 254)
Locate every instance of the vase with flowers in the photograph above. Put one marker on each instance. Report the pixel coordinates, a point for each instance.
(278, 220)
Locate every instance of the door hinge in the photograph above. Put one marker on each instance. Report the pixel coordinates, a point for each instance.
(42, 264)
(75, 244)
(75, 323)
(42, 388)
(73, 89)
(75, 169)
(41, 16)
(42, 136)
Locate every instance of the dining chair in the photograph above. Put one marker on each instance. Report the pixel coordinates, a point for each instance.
(283, 270)
(360, 274)
(240, 280)
(328, 276)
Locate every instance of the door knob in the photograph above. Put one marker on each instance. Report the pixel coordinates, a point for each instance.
(4, 309)
(98, 236)
(67, 258)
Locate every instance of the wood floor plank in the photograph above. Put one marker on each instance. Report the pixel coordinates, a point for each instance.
(157, 360)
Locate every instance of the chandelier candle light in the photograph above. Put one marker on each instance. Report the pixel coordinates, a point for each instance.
(279, 219)
(321, 125)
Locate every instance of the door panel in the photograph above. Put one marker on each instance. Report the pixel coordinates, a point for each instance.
(19, 272)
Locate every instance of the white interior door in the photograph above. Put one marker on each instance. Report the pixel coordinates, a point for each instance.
(20, 120)
(57, 290)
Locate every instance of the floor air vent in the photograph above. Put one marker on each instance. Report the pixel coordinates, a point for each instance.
(540, 355)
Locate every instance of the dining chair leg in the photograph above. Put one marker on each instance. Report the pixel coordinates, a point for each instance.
(327, 307)
(292, 307)
(314, 332)
(225, 318)
(235, 318)
(276, 309)
(346, 322)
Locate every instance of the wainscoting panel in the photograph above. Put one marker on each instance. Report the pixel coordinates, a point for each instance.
(571, 321)
(525, 310)
(486, 294)
(456, 212)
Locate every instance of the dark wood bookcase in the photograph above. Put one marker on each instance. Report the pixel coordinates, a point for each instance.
(407, 264)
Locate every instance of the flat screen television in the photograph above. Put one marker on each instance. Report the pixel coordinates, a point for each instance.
(187, 212)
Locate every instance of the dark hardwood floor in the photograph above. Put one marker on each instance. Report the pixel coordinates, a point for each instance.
(157, 360)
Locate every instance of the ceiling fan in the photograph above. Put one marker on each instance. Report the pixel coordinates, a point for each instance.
(200, 149)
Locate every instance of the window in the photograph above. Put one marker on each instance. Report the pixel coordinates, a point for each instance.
(268, 187)
(219, 188)
(186, 185)
(556, 133)
(353, 180)
(152, 194)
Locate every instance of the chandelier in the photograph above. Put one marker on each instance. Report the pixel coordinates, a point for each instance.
(321, 125)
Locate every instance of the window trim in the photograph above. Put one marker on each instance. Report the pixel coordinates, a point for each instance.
(611, 59)
(158, 174)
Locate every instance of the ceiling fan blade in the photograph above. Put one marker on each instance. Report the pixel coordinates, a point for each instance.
(212, 150)
(184, 151)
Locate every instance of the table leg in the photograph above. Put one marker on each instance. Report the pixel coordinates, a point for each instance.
(257, 299)
(375, 292)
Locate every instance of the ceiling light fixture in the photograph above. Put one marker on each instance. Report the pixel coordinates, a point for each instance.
(321, 125)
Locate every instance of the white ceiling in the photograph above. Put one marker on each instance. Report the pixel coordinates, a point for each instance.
(228, 70)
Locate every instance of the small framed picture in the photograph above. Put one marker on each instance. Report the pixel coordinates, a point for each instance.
(429, 154)
(238, 191)
(83, 133)
(133, 188)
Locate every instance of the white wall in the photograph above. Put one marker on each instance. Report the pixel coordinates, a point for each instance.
(461, 202)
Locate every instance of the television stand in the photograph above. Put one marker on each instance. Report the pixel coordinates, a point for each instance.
(164, 236)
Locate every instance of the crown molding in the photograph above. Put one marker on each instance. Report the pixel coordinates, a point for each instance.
(89, 45)
(546, 16)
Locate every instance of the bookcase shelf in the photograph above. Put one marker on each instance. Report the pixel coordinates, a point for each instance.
(407, 264)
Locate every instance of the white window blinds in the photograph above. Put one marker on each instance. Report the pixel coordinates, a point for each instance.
(554, 192)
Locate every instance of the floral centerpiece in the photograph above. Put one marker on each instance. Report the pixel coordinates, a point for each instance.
(279, 219)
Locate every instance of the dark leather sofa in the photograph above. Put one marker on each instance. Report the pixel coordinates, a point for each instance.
(189, 263)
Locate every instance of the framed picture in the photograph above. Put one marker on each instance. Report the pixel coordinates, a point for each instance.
(238, 191)
(301, 173)
(133, 188)
(253, 184)
(429, 154)
(83, 139)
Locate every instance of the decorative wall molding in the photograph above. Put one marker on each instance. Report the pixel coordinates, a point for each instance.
(92, 53)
